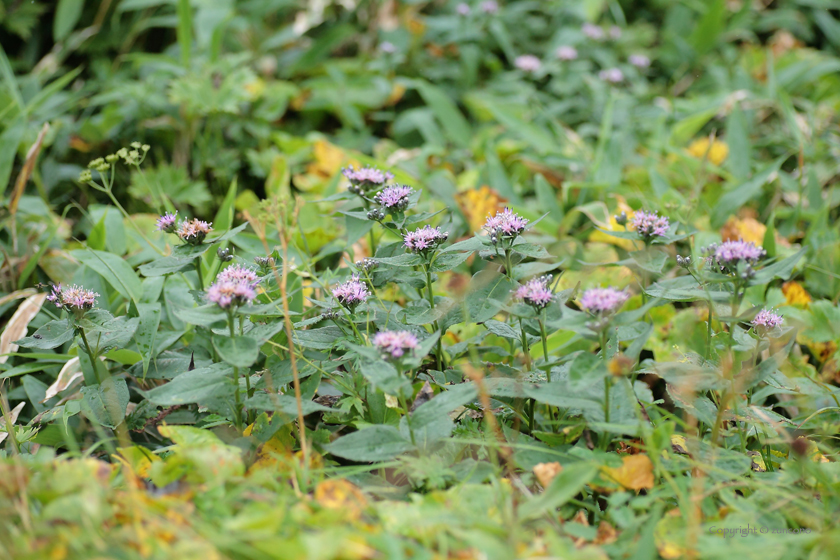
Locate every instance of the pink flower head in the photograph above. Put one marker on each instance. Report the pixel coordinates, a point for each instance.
(352, 293)
(194, 231)
(463, 9)
(72, 298)
(650, 224)
(527, 63)
(639, 60)
(166, 223)
(387, 47)
(505, 224)
(592, 31)
(365, 178)
(766, 320)
(229, 293)
(237, 273)
(535, 292)
(566, 52)
(726, 256)
(395, 197)
(615, 32)
(489, 7)
(611, 75)
(395, 344)
(424, 239)
(603, 301)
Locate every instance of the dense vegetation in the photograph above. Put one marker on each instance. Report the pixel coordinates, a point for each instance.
(419, 279)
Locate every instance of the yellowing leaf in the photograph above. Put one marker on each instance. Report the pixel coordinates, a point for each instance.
(477, 204)
(717, 153)
(16, 327)
(795, 294)
(545, 472)
(341, 495)
(635, 474)
(748, 229)
(601, 237)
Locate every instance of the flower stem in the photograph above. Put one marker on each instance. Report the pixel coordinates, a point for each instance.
(201, 276)
(237, 396)
(431, 297)
(404, 405)
(93, 358)
(607, 386)
(525, 348)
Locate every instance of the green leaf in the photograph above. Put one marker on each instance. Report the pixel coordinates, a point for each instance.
(563, 488)
(116, 271)
(490, 291)
(166, 265)
(501, 329)
(198, 385)
(732, 200)
(781, 269)
(238, 351)
(107, 401)
(448, 261)
(67, 14)
(203, 316)
(144, 336)
(372, 444)
(446, 112)
(51, 335)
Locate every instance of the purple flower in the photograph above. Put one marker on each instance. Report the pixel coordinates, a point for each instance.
(234, 286)
(728, 255)
(766, 320)
(615, 32)
(505, 224)
(237, 273)
(194, 231)
(611, 75)
(566, 52)
(365, 178)
(592, 31)
(166, 223)
(72, 298)
(490, 7)
(528, 63)
(535, 292)
(639, 60)
(424, 239)
(603, 301)
(395, 343)
(463, 9)
(352, 293)
(394, 198)
(650, 224)
(387, 47)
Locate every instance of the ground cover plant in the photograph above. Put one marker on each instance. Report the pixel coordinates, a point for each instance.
(419, 279)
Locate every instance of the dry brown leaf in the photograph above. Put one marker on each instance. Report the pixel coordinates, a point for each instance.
(606, 534)
(746, 228)
(17, 325)
(70, 372)
(545, 472)
(342, 495)
(15, 413)
(636, 472)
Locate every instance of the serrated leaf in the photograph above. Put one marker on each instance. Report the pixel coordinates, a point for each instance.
(238, 351)
(51, 335)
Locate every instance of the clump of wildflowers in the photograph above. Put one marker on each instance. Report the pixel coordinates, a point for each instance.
(194, 231)
(611, 75)
(395, 198)
(603, 301)
(351, 293)
(72, 298)
(727, 256)
(234, 286)
(566, 52)
(592, 31)
(506, 224)
(166, 223)
(535, 292)
(527, 63)
(650, 224)
(424, 239)
(395, 344)
(365, 179)
(766, 320)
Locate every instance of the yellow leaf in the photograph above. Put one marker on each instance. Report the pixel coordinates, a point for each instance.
(748, 229)
(795, 294)
(339, 494)
(601, 237)
(477, 204)
(717, 153)
(545, 472)
(635, 474)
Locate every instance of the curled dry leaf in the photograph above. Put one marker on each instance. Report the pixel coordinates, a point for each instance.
(16, 328)
(545, 472)
(69, 374)
(15, 413)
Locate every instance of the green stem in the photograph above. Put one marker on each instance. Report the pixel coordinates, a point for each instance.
(7, 416)
(431, 297)
(131, 220)
(237, 396)
(93, 358)
(545, 349)
(404, 405)
(525, 348)
(607, 386)
(200, 275)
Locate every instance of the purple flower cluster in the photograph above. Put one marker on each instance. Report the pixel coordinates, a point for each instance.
(166, 223)
(535, 292)
(194, 231)
(527, 63)
(611, 75)
(424, 239)
(365, 178)
(352, 293)
(603, 301)
(490, 7)
(639, 60)
(728, 255)
(592, 31)
(463, 9)
(395, 198)
(766, 320)
(395, 343)
(566, 52)
(72, 298)
(234, 286)
(650, 224)
(505, 224)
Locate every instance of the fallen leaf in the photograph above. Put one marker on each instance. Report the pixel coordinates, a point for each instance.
(70, 372)
(795, 294)
(545, 472)
(636, 472)
(17, 325)
(339, 494)
(747, 228)
(606, 534)
(477, 204)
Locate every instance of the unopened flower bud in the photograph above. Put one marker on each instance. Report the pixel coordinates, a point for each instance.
(224, 254)
(621, 219)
